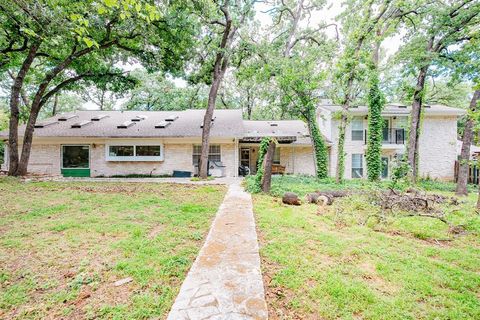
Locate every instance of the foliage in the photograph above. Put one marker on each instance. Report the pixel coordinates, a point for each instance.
(156, 92)
(3, 126)
(376, 101)
(262, 151)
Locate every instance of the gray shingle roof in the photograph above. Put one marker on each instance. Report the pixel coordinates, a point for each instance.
(396, 108)
(227, 123)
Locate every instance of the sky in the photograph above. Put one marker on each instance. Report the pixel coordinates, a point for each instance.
(328, 15)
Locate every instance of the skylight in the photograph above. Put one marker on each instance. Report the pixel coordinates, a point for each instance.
(81, 124)
(139, 118)
(162, 124)
(67, 117)
(45, 124)
(99, 117)
(171, 118)
(125, 125)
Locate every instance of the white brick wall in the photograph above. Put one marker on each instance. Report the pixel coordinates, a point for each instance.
(437, 149)
(297, 160)
(46, 159)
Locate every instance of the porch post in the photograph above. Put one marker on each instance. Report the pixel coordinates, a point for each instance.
(235, 171)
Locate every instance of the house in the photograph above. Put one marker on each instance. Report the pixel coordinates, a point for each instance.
(437, 144)
(113, 143)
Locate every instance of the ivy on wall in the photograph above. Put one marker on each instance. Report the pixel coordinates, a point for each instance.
(262, 151)
(319, 146)
(376, 102)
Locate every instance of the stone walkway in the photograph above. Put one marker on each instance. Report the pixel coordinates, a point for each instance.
(225, 281)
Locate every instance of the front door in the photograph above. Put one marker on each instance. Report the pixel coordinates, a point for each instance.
(76, 161)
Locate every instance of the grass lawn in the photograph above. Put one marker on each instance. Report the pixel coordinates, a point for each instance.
(63, 245)
(329, 264)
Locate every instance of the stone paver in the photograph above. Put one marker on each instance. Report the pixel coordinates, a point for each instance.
(225, 281)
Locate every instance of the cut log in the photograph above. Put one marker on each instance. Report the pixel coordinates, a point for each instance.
(291, 198)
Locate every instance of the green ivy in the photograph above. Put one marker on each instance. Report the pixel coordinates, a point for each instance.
(319, 146)
(376, 101)
(260, 169)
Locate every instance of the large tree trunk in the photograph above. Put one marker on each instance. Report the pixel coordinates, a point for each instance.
(267, 167)
(15, 111)
(220, 67)
(463, 167)
(415, 117)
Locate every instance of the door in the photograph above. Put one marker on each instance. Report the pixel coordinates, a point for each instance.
(76, 161)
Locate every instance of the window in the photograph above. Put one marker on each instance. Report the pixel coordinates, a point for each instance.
(384, 167)
(276, 156)
(357, 165)
(135, 153)
(148, 151)
(75, 157)
(357, 129)
(121, 151)
(214, 153)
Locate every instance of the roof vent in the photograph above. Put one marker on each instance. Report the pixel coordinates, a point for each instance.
(45, 124)
(354, 107)
(162, 124)
(81, 124)
(273, 124)
(171, 118)
(67, 117)
(139, 118)
(402, 106)
(427, 106)
(99, 117)
(126, 124)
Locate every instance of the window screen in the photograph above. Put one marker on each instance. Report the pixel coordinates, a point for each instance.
(357, 165)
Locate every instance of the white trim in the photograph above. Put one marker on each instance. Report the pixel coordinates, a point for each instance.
(74, 145)
(134, 158)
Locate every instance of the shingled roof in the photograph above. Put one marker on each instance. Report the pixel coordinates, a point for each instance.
(138, 124)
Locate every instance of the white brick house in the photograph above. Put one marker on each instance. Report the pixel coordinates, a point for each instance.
(116, 143)
(437, 145)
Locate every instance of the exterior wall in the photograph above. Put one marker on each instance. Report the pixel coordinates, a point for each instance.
(437, 148)
(46, 159)
(297, 160)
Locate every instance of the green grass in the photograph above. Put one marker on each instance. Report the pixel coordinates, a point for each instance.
(334, 263)
(63, 245)
(302, 185)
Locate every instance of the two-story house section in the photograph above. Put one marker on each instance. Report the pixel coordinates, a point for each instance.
(437, 148)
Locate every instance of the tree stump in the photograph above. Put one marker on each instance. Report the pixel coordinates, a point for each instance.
(291, 198)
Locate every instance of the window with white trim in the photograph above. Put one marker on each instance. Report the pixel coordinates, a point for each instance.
(357, 129)
(214, 153)
(357, 165)
(141, 152)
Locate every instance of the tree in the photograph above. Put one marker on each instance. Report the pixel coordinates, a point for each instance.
(156, 92)
(290, 62)
(437, 29)
(228, 29)
(360, 27)
(80, 42)
(376, 101)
